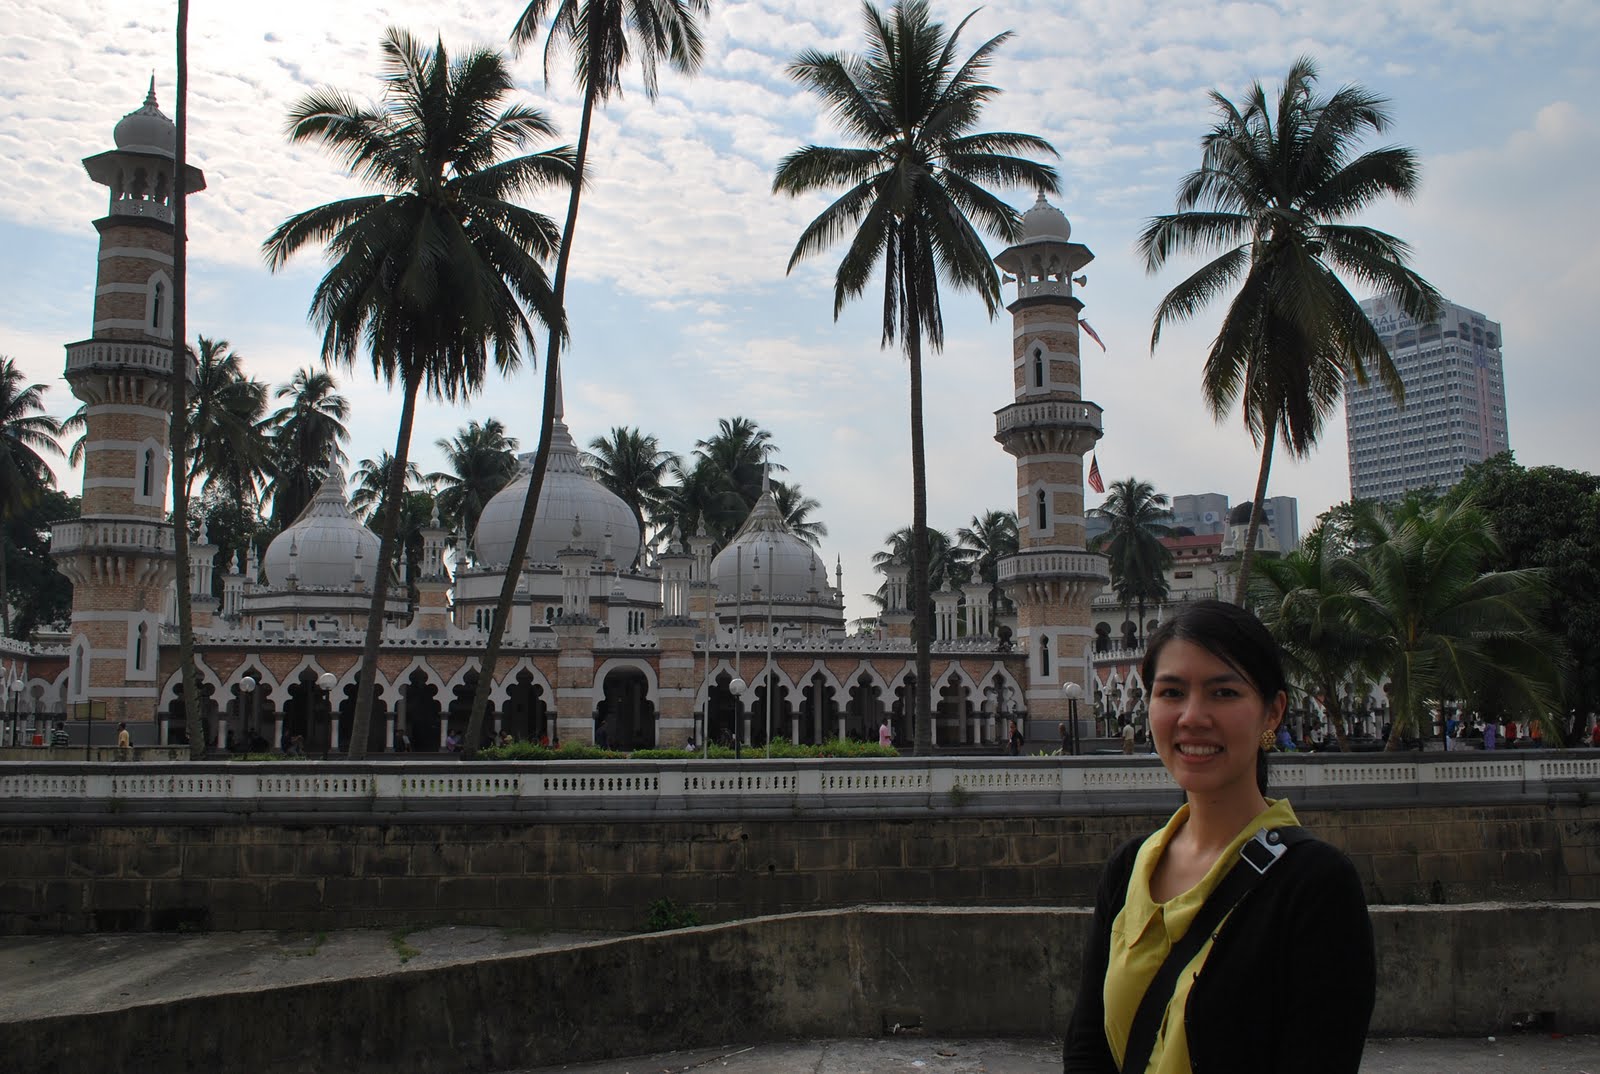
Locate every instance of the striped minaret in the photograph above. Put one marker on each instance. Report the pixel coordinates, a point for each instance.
(1052, 579)
(119, 554)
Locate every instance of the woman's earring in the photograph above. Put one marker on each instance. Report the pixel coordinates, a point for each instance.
(1267, 739)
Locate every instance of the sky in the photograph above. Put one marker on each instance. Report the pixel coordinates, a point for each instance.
(681, 310)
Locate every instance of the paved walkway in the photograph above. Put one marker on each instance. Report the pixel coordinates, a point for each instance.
(911, 1055)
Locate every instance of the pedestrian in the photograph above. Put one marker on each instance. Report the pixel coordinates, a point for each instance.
(1489, 727)
(124, 743)
(885, 734)
(1181, 971)
(59, 737)
(1128, 736)
(1510, 735)
(1061, 729)
(1014, 740)
(1594, 736)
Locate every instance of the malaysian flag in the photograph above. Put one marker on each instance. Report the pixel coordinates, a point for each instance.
(1089, 328)
(1094, 475)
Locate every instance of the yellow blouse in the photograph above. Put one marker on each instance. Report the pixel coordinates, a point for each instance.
(1144, 932)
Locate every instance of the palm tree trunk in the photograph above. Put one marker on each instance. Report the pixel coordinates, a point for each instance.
(541, 456)
(922, 728)
(1249, 553)
(179, 435)
(393, 502)
(1335, 713)
(5, 587)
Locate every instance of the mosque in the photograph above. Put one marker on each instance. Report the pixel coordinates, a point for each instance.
(749, 641)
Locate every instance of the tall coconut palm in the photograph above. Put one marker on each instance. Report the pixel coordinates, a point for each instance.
(946, 561)
(991, 537)
(914, 201)
(1306, 598)
(482, 461)
(306, 438)
(602, 35)
(1453, 629)
(437, 272)
(1276, 183)
(632, 465)
(1138, 515)
(178, 430)
(371, 481)
(27, 434)
(796, 508)
(699, 494)
(742, 450)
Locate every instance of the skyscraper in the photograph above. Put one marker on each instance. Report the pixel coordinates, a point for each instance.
(1455, 403)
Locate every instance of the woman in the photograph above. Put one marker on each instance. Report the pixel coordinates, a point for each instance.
(1285, 984)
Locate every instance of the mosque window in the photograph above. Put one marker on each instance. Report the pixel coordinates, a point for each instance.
(139, 645)
(155, 306)
(1044, 655)
(1038, 368)
(1041, 511)
(148, 468)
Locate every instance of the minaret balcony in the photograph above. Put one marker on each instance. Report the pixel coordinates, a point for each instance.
(1048, 426)
(1053, 563)
(118, 535)
(123, 356)
(142, 208)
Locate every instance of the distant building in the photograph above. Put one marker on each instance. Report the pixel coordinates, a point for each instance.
(1455, 403)
(1206, 513)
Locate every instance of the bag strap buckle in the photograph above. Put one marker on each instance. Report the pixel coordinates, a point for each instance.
(1263, 850)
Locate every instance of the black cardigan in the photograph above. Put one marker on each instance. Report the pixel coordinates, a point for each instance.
(1287, 987)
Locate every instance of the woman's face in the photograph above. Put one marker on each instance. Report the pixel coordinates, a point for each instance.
(1207, 720)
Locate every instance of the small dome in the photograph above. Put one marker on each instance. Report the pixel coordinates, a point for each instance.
(1045, 221)
(326, 539)
(788, 564)
(568, 493)
(147, 130)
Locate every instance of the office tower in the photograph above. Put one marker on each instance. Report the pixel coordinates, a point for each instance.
(1455, 403)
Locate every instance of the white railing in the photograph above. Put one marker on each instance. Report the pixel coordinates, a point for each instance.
(1015, 784)
(110, 355)
(112, 535)
(1048, 413)
(1044, 561)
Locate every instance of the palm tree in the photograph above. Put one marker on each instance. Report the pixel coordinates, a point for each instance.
(699, 494)
(1452, 629)
(601, 33)
(25, 431)
(796, 508)
(372, 479)
(946, 561)
(1306, 599)
(306, 438)
(632, 465)
(991, 537)
(435, 273)
(913, 191)
(482, 460)
(227, 441)
(1138, 515)
(1274, 186)
(178, 434)
(742, 451)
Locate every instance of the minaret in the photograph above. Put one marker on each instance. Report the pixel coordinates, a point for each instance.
(1052, 579)
(119, 554)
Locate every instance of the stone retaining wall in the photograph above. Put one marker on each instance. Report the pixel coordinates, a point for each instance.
(848, 973)
(244, 872)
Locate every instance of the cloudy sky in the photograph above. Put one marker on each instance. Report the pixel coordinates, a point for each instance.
(681, 311)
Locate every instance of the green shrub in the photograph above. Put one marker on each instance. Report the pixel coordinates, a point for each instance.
(666, 914)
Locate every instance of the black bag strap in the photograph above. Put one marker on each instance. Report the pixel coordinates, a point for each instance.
(1259, 854)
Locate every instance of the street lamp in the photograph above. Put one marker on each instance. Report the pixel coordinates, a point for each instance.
(326, 680)
(247, 687)
(1074, 694)
(17, 687)
(737, 688)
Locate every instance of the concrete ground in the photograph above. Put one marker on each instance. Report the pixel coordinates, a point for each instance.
(53, 975)
(911, 1055)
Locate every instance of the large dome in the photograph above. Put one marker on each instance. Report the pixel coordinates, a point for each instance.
(568, 492)
(147, 130)
(326, 539)
(788, 565)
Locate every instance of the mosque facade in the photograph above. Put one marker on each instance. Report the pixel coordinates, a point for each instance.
(748, 640)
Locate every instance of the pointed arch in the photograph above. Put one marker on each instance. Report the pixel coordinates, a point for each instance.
(873, 675)
(500, 695)
(203, 673)
(597, 690)
(251, 661)
(721, 667)
(828, 677)
(395, 689)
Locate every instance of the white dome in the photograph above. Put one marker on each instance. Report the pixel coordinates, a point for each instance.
(788, 564)
(568, 493)
(1045, 221)
(326, 539)
(147, 130)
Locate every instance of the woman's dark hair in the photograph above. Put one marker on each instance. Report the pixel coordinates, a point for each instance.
(1232, 635)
